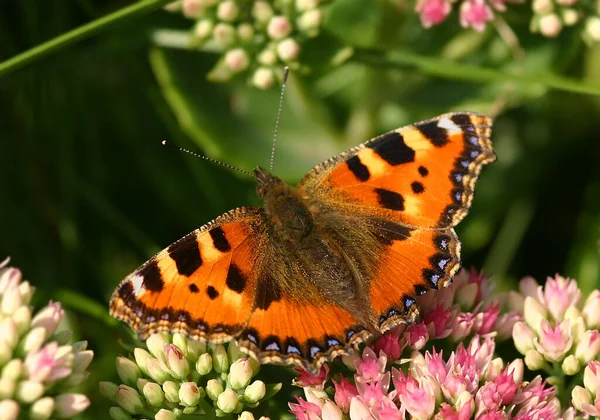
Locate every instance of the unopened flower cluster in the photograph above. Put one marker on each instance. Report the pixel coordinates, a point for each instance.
(406, 374)
(549, 16)
(257, 38)
(37, 365)
(177, 376)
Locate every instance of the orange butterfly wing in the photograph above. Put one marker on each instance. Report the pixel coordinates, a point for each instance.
(202, 285)
(421, 175)
(415, 183)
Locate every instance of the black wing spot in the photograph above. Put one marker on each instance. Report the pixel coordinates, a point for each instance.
(267, 292)
(153, 280)
(236, 281)
(387, 232)
(392, 148)
(186, 254)
(417, 187)
(220, 242)
(423, 171)
(390, 199)
(437, 135)
(193, 288)
(360, 171)
(212, 292)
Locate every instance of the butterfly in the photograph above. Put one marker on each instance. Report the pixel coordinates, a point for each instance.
(326, 265)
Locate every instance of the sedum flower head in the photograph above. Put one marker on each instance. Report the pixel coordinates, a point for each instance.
(406, 374)
(38, 366)
(176, 376)
(242, 30)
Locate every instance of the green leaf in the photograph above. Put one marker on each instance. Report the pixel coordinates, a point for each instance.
(236, 126)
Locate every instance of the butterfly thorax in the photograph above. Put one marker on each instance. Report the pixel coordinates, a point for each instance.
(288, 213)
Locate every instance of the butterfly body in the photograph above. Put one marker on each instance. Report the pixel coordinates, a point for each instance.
(325, 265)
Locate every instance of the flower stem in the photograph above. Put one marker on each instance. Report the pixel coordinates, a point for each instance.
(40, 51)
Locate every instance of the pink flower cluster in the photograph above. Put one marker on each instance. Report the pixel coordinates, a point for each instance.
(405, 375)
(473, 13)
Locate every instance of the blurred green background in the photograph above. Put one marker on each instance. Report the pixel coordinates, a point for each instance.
(88, 193)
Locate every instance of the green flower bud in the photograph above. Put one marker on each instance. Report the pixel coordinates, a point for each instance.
(165, 415)
(5, 353)
(189, 394)
(129, 399)
(32, 341)
(246, 415)
(255, 392)
(75, 379)
(220, 360)
(29, 391)
(262, 11)
(240, 374)
(11, 300)
(227, 401)
(108, 390)
(203, 28)
(171, 390)
(155, 371)
(214, 389)
(22, 318)
(228, 11)
(140, 383)
(204, 364)
(8, 332)
(534, 360)
(153, 394)
(141, 357)
(7, 388)
(127, 370)
(42, 409)
(9, 409)
(224, 35)
(245, 33)
(117, 413)
(82, 360)
(571, 365)
(156, 344)
(13, 370)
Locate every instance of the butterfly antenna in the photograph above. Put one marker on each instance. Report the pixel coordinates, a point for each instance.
(286, 71)
(181, 149)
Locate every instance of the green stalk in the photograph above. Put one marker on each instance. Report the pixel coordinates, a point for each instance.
(40, 51)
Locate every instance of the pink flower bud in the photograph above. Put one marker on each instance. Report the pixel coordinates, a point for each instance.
(416, 336)
(69, 405)
(237, 59)
(588, 347)
(344, 392)
(358, 409)
(48, 318)
(330, 411)
(279, 27)
(189, 394)
(591, 308)
(192, 8)
(523, 337)
(591, 377)
(288, 50)
(559, 293)
(550, 25)
(432, 12)
(176, 362)
(581, 398)
(534, 313)
(475, 13)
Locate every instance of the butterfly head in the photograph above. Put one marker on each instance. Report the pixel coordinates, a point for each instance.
(266, 182)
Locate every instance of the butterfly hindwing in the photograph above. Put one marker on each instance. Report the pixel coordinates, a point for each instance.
(421, 175)
(202, 285)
